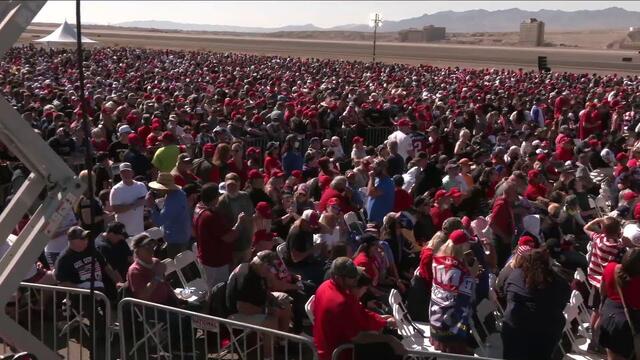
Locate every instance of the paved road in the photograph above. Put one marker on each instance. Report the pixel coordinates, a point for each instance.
(559, 59)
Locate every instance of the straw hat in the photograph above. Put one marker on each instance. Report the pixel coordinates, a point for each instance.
(165, 181)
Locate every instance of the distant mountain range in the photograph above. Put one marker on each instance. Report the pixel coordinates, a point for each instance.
(465, 21)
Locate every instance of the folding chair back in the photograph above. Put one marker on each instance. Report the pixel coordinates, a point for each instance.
(308, 308)
(191, 272)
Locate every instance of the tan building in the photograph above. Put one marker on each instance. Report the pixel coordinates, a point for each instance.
(632, 40)
(532, 32)
(427, 34)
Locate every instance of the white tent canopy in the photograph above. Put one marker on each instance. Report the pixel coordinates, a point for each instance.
(65, 33)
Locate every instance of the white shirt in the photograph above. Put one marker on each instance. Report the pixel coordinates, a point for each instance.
(59, 243)
(405, 145)
(122, 194)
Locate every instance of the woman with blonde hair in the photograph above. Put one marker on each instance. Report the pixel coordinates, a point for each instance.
(455, 269)
(462, 146)
(420, 291)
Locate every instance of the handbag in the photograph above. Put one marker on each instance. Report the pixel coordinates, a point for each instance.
(636, 336)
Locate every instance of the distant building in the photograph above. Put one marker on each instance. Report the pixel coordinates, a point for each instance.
(427, 34)
(632, 40)
(532, 32)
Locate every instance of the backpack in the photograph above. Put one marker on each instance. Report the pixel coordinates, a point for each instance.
(218, 301)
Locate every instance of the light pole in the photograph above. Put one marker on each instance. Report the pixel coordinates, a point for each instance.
(375, 20)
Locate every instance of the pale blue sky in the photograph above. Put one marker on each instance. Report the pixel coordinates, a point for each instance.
(281, 13)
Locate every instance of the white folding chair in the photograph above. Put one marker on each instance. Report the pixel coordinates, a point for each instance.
(183, 262)
(353, 223)
(581, 277)
(308, 307)
(584, 316)
(571, 312)
(413, 338)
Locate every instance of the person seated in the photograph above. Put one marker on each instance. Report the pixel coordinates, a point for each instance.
(250, 301)
(338, 315)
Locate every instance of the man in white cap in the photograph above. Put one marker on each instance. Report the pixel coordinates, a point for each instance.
(119, 147)
(127, 200)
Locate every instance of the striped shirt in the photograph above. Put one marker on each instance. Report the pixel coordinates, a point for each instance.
(603, 251)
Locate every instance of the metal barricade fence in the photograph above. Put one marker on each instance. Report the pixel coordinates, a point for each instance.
(343, 352)
(69, 321)
(151, 330)
(377, 136)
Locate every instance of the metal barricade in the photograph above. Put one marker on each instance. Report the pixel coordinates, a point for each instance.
(151, 330)
(67, 320)
(377, 136)
(346, 352)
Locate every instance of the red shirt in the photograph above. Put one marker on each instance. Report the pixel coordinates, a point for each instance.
(534, 191)
(425, 269)
(99, 146)
(270, 164)
(209, 226)
(564, 154)
(369, 266)
(438, 216)
(339, 317)
(502, 216)
(402, 200)
(138, 276)
(631, 292)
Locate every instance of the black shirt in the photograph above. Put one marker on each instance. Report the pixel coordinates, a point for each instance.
(300, 241)
(395, 165)
(62, 147)
(116, 151)
(247, 286)
(139, 162)
(75, 267)
(258, 195)
(117, 255)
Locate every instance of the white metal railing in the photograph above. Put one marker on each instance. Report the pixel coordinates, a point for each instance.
(68, 321)
(346, 352)
(151, 330)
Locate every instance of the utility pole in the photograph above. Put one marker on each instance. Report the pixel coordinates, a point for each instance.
(375, 20)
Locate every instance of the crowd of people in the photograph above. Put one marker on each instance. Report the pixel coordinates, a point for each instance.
(483, 184)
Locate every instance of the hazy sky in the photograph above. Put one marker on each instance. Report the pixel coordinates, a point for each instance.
(280, 13)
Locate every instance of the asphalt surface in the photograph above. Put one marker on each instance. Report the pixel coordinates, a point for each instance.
(559, 59)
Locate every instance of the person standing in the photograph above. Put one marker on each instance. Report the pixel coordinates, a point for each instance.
(381, 192)
(620, 288)
(215, 236)
(401, 136)
(174, 217)
(232, 204)
(533, 319)
(127, 200)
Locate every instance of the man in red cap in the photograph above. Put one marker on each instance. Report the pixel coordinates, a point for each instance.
(134, 156)
(401, 136)
(203, 167)
(166, 157)
(536, 190)
(358, 152)
(441, 209)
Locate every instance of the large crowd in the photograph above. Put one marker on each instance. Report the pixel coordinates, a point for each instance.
(487, 182)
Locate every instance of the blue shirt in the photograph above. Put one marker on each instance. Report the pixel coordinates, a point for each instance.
(292, 160)
(175, 218)
(378, 207)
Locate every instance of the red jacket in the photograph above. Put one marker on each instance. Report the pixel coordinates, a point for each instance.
(339, 317)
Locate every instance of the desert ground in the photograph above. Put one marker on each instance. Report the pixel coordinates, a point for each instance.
(467, 52)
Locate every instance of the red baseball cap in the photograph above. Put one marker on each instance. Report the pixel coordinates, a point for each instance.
(440, 194)
(357, 140)
(255, 174)
(532, 174)
(622, 156)
(334, 202)
(264, 209)
(296, 174)
(208, 149)
(403, 122)
(526, 244)
(134, 139)
(459, 237)
(263, 235)
(167, 136)
(629, 196)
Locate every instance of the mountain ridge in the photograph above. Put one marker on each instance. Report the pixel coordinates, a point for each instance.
(477, 20)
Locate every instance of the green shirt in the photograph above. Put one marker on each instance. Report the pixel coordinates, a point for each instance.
(166, 157)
